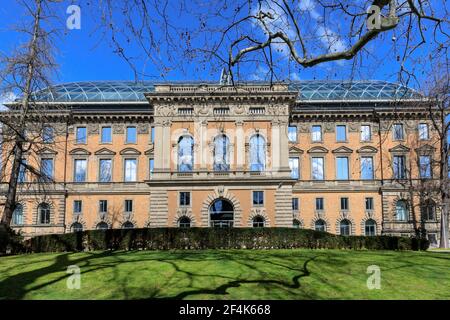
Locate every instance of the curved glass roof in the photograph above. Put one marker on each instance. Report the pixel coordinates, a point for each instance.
(309, 90)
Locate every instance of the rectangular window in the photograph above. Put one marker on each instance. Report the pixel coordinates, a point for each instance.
(151, 166)
(293, 164)
(344, 204)
(77, 206)
(47, 169)
(105, 170)
(103, 206)
(319, 204)
(399, 167)
(366, 168)
(80, 170)
(22, 172)
(341, 133)
(185, 198)
(152, 134)
(130, 170)
(47, 134)
(292, 133)
(258, 198)
(423, 131)
(295, 204)
(366, 134)
(106, 135)
(425, 166)
(398, 131)
(81, 136)
(369, 204)
(128, 205)
(131, 135)
(317, 168)
(316, 133)
(342, 168)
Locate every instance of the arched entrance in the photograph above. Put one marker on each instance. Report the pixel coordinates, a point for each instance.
(221, 214)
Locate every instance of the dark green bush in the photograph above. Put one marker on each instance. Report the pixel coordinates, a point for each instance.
(210, 238)
(10, 241)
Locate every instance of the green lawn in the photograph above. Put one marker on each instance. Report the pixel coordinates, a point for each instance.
(227, 274)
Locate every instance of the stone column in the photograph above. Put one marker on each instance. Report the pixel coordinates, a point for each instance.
(240, 145)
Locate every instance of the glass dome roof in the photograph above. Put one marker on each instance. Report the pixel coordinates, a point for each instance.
(309, 90)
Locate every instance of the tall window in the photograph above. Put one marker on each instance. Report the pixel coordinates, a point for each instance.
(151, 165)
(342, 168)
(185, 153)
(103, 206)
(341, 133)
(428, 210)
(366, 168)
(130, 170)
(295, 204)
(128, 205)
(366, 134)
(152, 135)
(316, 133)
(106, 135)
(80, 170)
(370, 227)
(185, 198)
(399, 167)
(423, 131)
(47, 169)
(344, 204)
(17, 218)
(257, 153)
(398, 131)
(319, 204)
(425, 167)
(292, 134)
(47, 134)
(317, 168)
(401, 210)
(344, 227)
(105, 173)
(258, 198)
(131, 135)
(81, 136)
(293, 164)
(44, 213)
(22, 172)
(221, 153)
(320, 225)
(77, 206)
(369, 204)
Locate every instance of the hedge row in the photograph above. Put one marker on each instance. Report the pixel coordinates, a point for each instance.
(210, 238)
(10, 241)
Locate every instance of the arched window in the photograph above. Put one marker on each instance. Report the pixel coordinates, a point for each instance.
(344, 227)
(257, 153)
(184, 222)
(185, 153)
(221, 214)
(102, 226)
(401, 210)
(128, 225)
(221, 153)
(258, 222)
(76, 227)
(320, 225)
(370, 227)
(428, 210)
(17, 217)
(296, 224)
(44, 213)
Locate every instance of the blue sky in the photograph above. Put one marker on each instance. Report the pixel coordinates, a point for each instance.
(86, 55)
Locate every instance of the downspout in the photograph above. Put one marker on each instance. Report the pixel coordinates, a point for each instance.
(65, 174)
(377, 117)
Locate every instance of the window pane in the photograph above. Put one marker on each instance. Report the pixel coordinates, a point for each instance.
(186, 154)
(398, 132)
(319, 203)
(103, 205)
(367, 168)
(151, 165)
(47, 134)
(342, 168)
(295, 204)
(130, 169)
(423, 131)
(292, 134)
(128, 205)
(106, 135)
(105, 170)
(80, 170)
(258, 197)
(425, 166)
(221, 146)
(341, 133)
(316, 133)
(344, 203)
(257, 153)
(131, 134)
(185, 198)
(152, 135)
(22, 171)
(81, 135)
(47, 169)
(401, 210)
(399, 167)
(293, 165)
(18, 215)
(317, 168)
(77, 206)
(369, 203)
(365, 133)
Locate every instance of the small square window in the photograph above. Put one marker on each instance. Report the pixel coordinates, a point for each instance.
(106, 135)
(369, 204)
(398, 131)
(131, 135)
(185, 198)
(81, 135)
(128, 205)
(366, 134)
(423, 131)
(77, 206)
(316, 133)
(258, 198)
(319, 204)
(344, 204)
(341, 133)
(292, 134)
(103, 206)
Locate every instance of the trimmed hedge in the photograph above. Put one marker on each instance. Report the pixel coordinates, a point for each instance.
(10, 241)
(211, 238)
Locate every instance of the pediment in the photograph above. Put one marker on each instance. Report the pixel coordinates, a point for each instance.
(46, 150)
(149, 151)
(79, 151)
(130, 151)
(367, 149)
(399, 148)
(295, 150)
(318, 150)
(342, 149)
(105, 152)
(425, 149)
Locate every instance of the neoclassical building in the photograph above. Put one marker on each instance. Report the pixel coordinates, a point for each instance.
(325, 155)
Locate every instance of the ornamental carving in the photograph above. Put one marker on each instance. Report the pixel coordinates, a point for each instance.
(303, 128)
(328, 127)
(118, 128)
(165, 111)
(238, 110)
(353, 127)
(92, 128)
(142, 128)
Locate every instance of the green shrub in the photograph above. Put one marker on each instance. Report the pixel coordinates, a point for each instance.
(10, 241)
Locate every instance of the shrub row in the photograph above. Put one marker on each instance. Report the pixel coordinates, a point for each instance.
(10, 241)
(210, 238)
